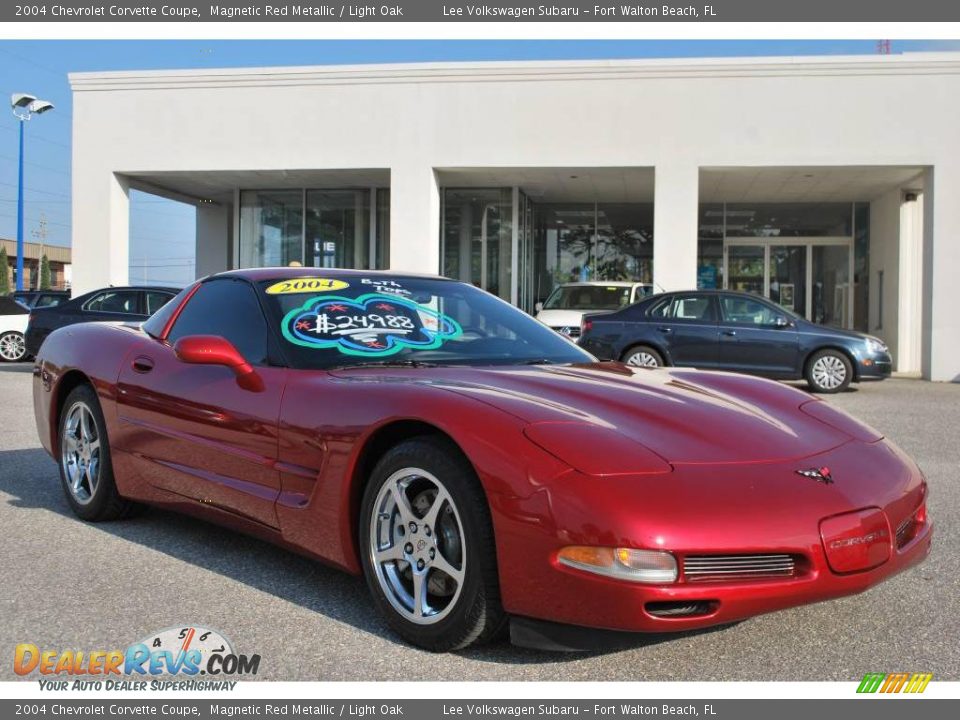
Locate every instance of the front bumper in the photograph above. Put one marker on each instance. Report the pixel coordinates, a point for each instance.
(708, 510)
(875, 366)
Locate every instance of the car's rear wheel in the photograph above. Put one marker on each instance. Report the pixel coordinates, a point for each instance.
(829, 371)
(86, 471)
(643, 356)
(427, 544)
(13, 347)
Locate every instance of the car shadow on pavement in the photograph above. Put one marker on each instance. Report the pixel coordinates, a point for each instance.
(31, 480)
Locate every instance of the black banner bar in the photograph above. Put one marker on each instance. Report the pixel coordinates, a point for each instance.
(479, 11)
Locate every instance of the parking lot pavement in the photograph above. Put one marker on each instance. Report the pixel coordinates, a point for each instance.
(67, 584)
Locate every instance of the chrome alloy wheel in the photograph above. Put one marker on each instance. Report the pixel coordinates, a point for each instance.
(80, 452)
(829, 372)
(13, 347)
(642, 359)
(417, 547)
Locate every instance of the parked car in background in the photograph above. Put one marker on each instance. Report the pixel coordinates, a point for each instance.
(566, 305)
(735, 331)
(13, 325)
(115, 303)
(41, 298)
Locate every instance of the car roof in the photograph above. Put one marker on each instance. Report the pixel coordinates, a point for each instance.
(602, 283)
(286, 273)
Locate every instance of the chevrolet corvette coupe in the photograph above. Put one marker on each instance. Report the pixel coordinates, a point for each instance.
(479, 470)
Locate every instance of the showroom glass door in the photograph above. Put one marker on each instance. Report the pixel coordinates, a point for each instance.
(787, 277)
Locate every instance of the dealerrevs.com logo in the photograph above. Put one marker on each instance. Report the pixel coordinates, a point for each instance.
(189, 651)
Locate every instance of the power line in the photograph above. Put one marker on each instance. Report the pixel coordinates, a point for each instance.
(36, 165)
(34, 136)
(45, 192)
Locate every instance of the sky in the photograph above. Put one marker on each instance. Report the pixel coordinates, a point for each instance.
(162, 231)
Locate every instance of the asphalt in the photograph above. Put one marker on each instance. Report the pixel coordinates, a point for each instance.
(67, 584)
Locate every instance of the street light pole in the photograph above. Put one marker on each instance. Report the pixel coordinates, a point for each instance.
(20, 212)
(24, 107)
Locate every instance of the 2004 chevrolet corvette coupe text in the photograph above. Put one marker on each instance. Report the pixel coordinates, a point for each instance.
(477, 468)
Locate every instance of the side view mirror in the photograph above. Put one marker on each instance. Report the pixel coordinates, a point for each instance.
(216, 350)
(782, 322)
(538, 306)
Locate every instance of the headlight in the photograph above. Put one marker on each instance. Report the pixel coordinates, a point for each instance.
(643, 566)
(876, 346)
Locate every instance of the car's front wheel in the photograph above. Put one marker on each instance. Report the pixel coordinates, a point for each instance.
(13, 347)
(427, 544)
(86, 471)
(643, 356)
(829, 371)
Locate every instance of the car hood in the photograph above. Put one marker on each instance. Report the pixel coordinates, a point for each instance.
(561, 318)
(684, 416)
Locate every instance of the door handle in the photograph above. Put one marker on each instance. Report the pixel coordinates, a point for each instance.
(665, 329)
(142, 364)
(730, 333)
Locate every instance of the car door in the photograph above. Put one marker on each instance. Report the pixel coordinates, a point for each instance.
(685, 325)
(756, 337)
(192, 429)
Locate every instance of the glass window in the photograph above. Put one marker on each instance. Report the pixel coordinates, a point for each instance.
(788, 277)
(382, 261)
(744, 311)
(789, 219)
(115, 301)
(156, 300)
(831, 284)
(478, 237)
(338, 228)
(746, 268)
(49, 300)
(685, 307)
(624, 242)
(271, 228)
(228, 308)
(710, 247)
(861, 266)
(588, 297)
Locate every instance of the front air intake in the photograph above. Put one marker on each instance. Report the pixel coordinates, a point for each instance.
(698, 568)
(684, 608)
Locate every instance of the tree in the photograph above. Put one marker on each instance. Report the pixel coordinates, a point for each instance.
(44, 273)
(4, 272)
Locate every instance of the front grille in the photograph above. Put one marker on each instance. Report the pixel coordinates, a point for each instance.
(568, 330)
(738, 567)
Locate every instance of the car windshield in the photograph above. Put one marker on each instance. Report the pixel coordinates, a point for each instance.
(331, 321)
(588, 297)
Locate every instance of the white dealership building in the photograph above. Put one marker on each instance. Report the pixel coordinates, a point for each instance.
(829, 184)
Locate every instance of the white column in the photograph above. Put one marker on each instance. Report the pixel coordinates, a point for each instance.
(101, 229)
(941, 333)
(910, 284)
(675, 203)
(213, 239)
(414, 219)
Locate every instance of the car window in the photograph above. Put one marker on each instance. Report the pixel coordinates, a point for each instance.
(588, 297)
(228, 308)
(745, 311)
(48, 301)
(684, 307)
(156, 300)
(114, 301)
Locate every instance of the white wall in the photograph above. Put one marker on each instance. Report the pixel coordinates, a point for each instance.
(673, 115)
(885, 257)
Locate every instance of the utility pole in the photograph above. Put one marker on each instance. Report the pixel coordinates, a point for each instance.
(40, 235)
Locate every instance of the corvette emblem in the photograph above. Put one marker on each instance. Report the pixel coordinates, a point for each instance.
(821, 475)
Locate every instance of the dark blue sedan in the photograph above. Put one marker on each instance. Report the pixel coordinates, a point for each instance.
(724, 330)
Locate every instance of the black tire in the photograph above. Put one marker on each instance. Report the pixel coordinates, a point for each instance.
(828, 371)
(104, 502)
(475, 614)
(13, 347)
(643, 356)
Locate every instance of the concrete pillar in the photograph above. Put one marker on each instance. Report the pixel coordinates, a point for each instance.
(101, 231)
(941, 258)
(414, 219)
(212, 253)
(910, 283)
(675, 213)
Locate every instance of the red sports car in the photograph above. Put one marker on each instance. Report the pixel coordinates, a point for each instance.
(477, 468)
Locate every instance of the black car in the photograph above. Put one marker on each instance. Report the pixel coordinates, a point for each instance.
(133, 304)
(41, 298)
(726, 330)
